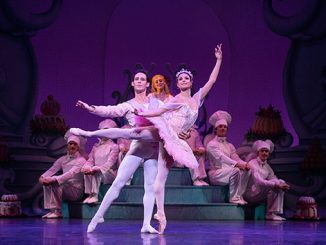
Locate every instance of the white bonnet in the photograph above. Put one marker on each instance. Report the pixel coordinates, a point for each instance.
(220, 117)
(263, 144)
(107, 123)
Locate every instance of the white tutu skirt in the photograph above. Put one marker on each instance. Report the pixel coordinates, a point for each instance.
(177, 148)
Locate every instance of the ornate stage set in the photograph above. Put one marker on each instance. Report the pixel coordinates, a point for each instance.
(29, 144)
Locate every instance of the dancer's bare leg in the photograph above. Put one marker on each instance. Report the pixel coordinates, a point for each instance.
(150, 172)
(127, 168)
(149, 133)
(159, 187)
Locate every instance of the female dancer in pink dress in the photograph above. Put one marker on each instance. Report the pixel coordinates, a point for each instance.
(178, 115)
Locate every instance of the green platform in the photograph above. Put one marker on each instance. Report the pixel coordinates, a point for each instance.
(183, 201)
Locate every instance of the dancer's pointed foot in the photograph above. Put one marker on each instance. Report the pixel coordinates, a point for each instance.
(94, 222)
(78, 131)
(161, 222)
(148, 229)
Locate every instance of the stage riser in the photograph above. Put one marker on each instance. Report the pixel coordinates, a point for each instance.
(176, 194)
(173, 211)
(177, 176)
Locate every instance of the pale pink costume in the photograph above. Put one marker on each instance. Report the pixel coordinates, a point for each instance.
(261, 186)
(222, 158)
(195, 143)
(170, 124)
(104, 155)
(70, 185)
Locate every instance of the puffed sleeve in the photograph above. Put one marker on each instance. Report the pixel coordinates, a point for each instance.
(57, 165)
(234, 154)
(119, 110)
(217, 155)
(90, 161)
(112, 158)
(78, 164)
(258, 179)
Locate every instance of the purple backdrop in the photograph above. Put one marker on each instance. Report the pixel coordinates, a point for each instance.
(83, 54)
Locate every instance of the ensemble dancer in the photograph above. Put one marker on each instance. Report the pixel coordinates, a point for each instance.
(69, 185)
(263, 185)
(226, 167)
(140, 151)
(178, 115)
(100, 163)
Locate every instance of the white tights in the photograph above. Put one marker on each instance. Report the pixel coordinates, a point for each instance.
(162, 175)
(149, 133)
(127, 168)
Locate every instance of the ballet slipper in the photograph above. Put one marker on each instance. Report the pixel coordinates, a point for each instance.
(161, 222)
(94, 222)
(148, 229)
(80, 132)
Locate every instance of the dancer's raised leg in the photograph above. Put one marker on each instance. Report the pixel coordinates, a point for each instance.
(149, 133)
(127, 168)
(150, 172)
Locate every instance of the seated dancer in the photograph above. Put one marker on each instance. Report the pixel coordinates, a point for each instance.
(67, 186)
(199, 174)
(178, 115)
(263, 184)
(226, 167)
(99, 166)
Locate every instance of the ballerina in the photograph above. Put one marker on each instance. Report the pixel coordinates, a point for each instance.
(178, 115)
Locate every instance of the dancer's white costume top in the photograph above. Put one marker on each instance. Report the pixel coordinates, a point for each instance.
(104, 155)
(261, 186)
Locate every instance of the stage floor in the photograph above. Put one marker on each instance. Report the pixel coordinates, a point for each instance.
(73, 231)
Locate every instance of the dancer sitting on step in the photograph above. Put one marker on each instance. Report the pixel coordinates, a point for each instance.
(100, 164)
(69, 185)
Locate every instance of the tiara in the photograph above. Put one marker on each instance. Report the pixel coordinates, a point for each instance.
(184, 71)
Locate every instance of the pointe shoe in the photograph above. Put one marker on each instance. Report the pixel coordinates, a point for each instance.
(161, 222)
(148, 229)
(78, 131)
(94, 222)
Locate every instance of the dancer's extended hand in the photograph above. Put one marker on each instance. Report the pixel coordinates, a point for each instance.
(218, 52)
(84, 105)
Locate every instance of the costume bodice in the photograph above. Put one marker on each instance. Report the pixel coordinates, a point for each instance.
(182, 119)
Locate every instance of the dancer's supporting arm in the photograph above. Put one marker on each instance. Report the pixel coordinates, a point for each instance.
(212, 78)
(171, 106)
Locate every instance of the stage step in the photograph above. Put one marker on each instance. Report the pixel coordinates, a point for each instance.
(175, 194)
(177, 176)
(174, 211)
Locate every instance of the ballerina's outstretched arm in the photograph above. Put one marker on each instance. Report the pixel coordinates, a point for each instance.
(212, 78)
